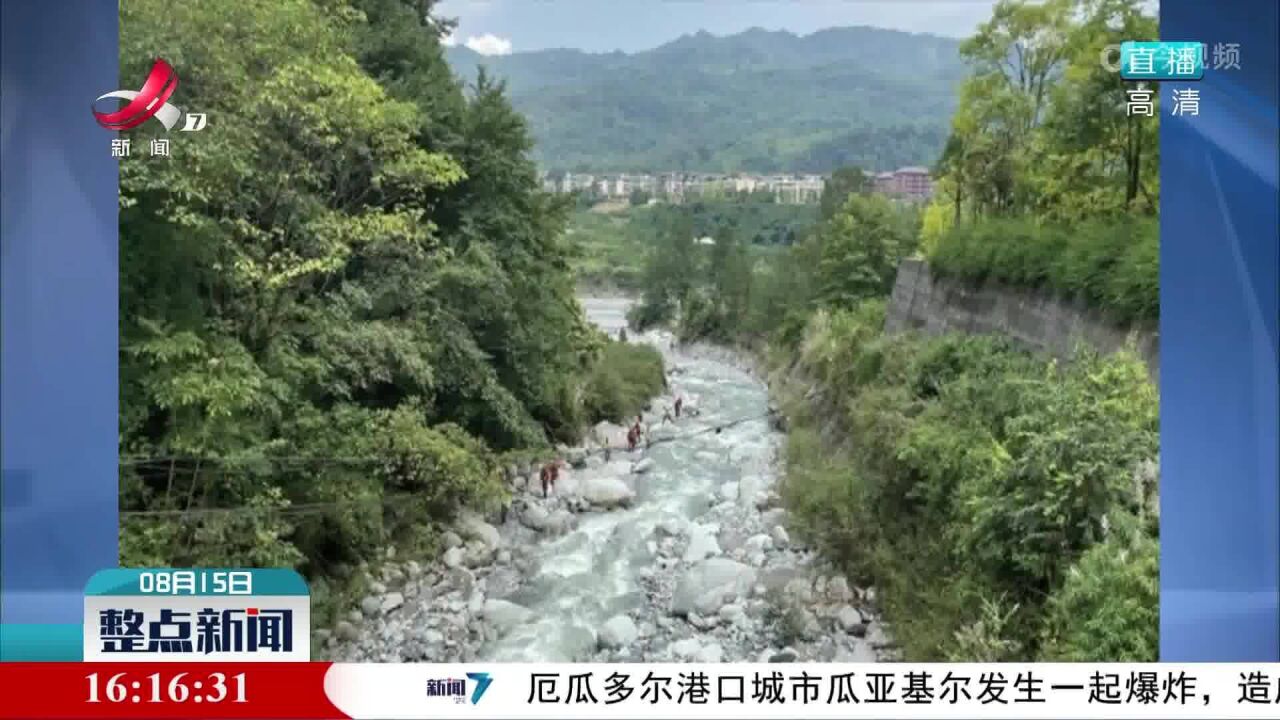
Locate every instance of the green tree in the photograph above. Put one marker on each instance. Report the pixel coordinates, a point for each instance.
(860, 250)
(837, 189)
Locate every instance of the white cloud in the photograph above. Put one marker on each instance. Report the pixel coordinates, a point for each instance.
(489, 44)
(449, 41)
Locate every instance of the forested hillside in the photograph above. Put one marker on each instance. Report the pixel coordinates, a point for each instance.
(756, 101)
(344, 299)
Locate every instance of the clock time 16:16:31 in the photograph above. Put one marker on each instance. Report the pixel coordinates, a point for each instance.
(120, 688)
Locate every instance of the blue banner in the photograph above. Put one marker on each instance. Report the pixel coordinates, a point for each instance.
(1220, 488)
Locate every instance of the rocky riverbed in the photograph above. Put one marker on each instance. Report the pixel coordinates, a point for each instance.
(677, 551)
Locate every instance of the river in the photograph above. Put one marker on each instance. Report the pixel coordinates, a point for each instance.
(696, 565)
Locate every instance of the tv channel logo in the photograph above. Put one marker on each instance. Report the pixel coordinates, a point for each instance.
(151, 101)
(456, 688)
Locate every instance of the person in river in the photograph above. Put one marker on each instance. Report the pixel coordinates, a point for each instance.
(550, 473)
(666, 416)
(633, 437)
(679, 404)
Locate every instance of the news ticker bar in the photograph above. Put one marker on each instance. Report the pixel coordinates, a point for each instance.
(304, 691)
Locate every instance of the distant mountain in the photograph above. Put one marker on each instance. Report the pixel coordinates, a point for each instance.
(758, 101)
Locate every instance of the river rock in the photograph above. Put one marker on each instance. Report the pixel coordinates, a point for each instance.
(474, 527)
(579, 642)
(458, 579)
(686, 649)
(733, 614)
(451, 540)
(346, 631)
(377, 588)
(780, 536)
(502, 582)
(710, 653)
(560, 522)
(759, 543)
(702, 544)
(412, 569)
(504, 615)
(577, 458)
(838, 589)
(787, 655)
(370, 606)
(535, 517)
(704, 587)
(356, 616)
(643, 466)
(453, 557)
(618, 632)
(607, 492)
(391, 602)
(732, 537)
(394, 576)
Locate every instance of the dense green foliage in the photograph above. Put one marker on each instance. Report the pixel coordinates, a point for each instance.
(1004, 506)
(611, 249)
(343, 299)
(1051, 146)
(619, 387)
(1111, 264)
(722, 292)
(992, 496)
(756, 101)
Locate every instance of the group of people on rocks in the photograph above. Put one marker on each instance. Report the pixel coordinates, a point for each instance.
(550, 472)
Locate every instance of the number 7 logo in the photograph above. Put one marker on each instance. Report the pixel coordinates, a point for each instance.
(195, 122)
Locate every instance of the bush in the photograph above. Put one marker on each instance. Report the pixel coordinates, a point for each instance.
(971, 482)
(1108, 608)
(622, 381)
(1112, 264)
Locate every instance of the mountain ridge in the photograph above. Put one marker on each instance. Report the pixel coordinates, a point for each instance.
(759, 100)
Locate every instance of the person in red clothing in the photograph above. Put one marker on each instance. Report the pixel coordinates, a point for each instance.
(632, 438)
(550, 474)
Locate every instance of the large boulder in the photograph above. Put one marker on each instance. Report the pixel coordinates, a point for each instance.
(607, 492)
(535, 517)
(607, 434)
(643, 466)
(702, 544)
(472, 526)
(618, 632)
(392, 601)
(453, 557)
(705, 586)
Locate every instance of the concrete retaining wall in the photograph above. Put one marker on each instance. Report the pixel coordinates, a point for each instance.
(1039, 321)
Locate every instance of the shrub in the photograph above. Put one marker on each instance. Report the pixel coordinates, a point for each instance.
(1113, 264)
(622, 381)
(1108, 608)
(969, 480)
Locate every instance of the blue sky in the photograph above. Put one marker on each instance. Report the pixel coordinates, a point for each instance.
(500, 26)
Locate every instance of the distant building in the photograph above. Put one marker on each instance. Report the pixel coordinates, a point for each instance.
(913, 183)
(883, 183)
